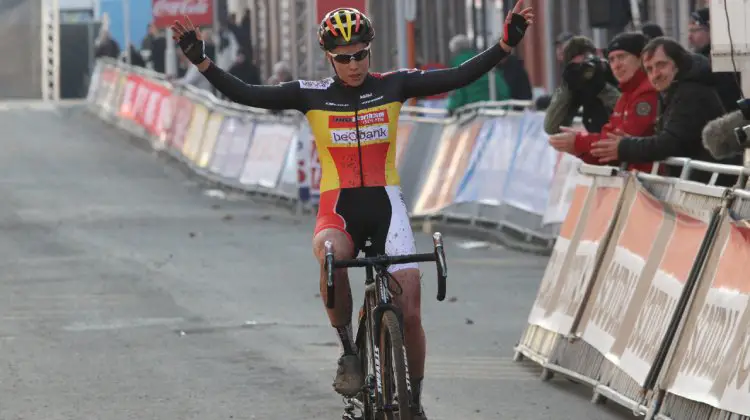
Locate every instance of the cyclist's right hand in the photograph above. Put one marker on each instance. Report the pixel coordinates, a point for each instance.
(516, 23)
(190, 41)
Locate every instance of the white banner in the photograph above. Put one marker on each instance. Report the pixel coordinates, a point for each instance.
(487, 175)
(267, 155)
(242, 132)
(533, 167)
(562, 188)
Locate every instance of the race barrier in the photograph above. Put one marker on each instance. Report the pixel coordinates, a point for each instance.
(644, 297)
(488, 167)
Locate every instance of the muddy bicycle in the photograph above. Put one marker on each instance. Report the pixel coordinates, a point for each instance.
(386, 394)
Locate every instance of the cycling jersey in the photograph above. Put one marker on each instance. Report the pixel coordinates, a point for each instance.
(354, 127)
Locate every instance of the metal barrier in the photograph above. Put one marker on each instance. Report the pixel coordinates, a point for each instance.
(610, 323)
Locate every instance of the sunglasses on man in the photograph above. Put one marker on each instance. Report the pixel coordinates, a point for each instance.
(347, 58)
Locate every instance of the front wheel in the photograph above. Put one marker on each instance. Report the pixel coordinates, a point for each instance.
(396, 388)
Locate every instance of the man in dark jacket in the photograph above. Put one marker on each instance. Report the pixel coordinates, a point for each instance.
(512, 70)
(687, 102)
(727, 83)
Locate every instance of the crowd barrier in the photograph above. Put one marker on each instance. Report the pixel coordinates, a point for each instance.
(487, 167)
(643, 298)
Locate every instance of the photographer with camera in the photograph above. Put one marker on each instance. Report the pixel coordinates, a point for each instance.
(587, 82)
(635, 111)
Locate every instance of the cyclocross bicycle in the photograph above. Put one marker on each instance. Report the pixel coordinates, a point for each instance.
(386, 394)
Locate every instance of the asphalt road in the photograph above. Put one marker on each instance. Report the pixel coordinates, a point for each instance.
(130, 293)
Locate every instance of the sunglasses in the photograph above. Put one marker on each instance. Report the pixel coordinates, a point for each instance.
(347, 58)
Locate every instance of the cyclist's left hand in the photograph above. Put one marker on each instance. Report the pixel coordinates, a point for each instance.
(516, 23)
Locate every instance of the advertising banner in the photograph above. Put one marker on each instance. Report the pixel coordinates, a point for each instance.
(711, 362)
(267, 154)
(455, 150)
(210, 136)
(566, 279)
(165, 12)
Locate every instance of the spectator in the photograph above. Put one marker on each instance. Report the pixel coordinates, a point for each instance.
(688, 101)
(105, 46)
(207, 35)
(560, 43)
(651, 30)
(542, 103)
(154, 47)
(228, 47)
(635, 111)
(245, 70)
(463, 50)
(281, 72)
(727, 83)
(136, 59)
(585, 84)
(241, 33)
(513, 72)
(192, 76)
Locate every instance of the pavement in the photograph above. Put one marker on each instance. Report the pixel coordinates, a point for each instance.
(129, 291)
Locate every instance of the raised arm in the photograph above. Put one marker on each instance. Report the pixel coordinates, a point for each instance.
(284, 96)
(428, 83)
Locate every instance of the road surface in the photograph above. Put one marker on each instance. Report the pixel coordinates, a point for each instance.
(130, 293)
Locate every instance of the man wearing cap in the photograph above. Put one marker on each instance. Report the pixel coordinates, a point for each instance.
(727, 84)
(587, 82)
(634, 113)
(560, 42)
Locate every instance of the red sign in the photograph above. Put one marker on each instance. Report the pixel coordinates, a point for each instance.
(165, 12)
(143, 103)
(325, 6)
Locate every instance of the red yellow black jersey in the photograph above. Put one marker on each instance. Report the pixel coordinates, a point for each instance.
(355, 127)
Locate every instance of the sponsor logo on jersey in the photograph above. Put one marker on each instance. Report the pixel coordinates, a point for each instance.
(316, 84)
(369, 101)
(365, 96)
(366, 134)
(376, 117)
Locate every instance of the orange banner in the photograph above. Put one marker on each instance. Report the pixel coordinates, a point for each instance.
(636, 347)
(559, 260)
(562, 292)
(638, 244)
(451, 160)
(711, 363)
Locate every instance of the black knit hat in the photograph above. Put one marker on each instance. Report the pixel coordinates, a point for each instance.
(701, 17)
(632, 42)
(652, 30)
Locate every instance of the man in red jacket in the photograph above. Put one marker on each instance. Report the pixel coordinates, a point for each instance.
(635, 111)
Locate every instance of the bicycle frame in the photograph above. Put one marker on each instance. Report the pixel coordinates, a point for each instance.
(377, 301)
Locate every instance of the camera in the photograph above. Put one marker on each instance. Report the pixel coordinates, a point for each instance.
(591, 74)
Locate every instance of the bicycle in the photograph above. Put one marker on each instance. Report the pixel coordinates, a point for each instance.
(376, 400)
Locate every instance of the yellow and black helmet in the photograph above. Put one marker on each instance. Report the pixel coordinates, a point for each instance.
(344, 26)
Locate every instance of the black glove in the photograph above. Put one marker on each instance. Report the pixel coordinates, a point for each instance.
(515, 29)
(194, 48)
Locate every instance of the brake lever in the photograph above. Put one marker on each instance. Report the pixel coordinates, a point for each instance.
(442, 266)
(330, 296)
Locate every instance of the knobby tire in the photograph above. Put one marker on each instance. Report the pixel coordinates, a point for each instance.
(393, 361)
